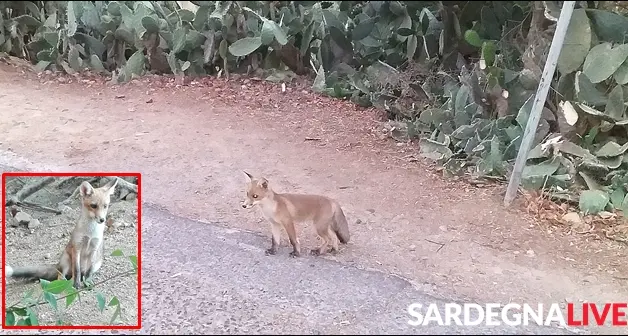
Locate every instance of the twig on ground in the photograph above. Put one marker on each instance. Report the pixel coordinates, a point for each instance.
(28, 190)
(437, 243)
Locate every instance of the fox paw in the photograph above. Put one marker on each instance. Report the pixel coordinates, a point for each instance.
(271, 251)
(295, 254)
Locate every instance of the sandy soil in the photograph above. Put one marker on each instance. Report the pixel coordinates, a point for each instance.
(192, 142)
(41, 242)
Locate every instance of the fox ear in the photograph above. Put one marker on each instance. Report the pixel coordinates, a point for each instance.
(263, 183)
(110, 186)
(249, 177)
(86, 189)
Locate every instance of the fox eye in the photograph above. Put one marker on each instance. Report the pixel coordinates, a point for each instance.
(93, 205)
(254, 196)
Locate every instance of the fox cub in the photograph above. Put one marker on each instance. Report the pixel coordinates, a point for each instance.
(83, 255)
(284, 210)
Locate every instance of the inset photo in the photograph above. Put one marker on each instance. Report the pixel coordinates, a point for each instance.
(71, 250)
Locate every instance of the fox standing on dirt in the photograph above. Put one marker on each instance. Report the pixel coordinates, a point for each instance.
(83, 255)
(286, 209)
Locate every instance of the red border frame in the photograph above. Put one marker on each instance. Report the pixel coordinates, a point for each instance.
(139, 251)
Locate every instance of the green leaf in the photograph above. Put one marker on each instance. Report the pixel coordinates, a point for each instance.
(52, 301)
(116, 314)
(492, 27)
(201, 17)
(117, 253)
(524, 112)
(222, 49)
(267, 34)
(95, 46)
(603, 60)
(621, 75)
(624, 206)
(89, 15)
(179, 39)
(319, 84)
(617, 198)
(411, 47)
(27, 20)
(402, 32)
(611, 149)
(363, 29)
(71, 295)
(587, 92)
(72, 19)
(32, 317)
(593, 201)
(150, 24)
(96, 64)
(101, 301)
(544, 169)
(57, 286)
(280, 34)
(492, 161)
(114, 301)
(539, 175)
(42, 66)
(488, 52)
(23, 322)
(74, 59)
(113, 8)
(577, 43)
(9, 318)
(609, 26)
(472, 37)
(133, 260)
(245, 46)
(135, 65)
(615, 106)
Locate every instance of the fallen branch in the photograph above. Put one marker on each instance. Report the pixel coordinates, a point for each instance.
(122, 183)
(125, 184)
(28, 190)
(38, 207)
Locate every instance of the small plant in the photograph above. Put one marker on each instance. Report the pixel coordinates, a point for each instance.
(24, 313)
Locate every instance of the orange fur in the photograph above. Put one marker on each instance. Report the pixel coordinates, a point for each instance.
(286, 210)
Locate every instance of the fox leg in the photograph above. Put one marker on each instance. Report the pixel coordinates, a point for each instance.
(333, 239)
(94, 260)
(275, 239)
(65, 266)
(76, 267)
(292, 235)
(323, 233)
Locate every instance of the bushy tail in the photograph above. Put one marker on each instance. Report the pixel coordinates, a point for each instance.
(341, 227)
(46, 272)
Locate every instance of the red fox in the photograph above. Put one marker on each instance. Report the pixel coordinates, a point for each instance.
(83, 255)
(286, 209)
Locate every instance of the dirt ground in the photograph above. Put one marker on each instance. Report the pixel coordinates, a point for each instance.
(41, 238)
(192, 142)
